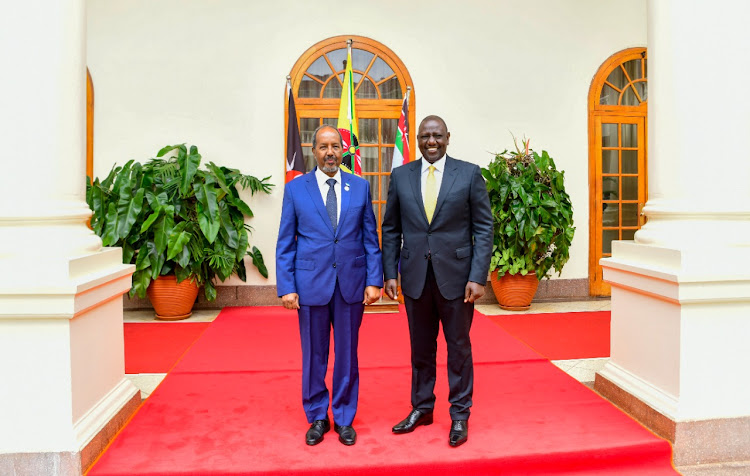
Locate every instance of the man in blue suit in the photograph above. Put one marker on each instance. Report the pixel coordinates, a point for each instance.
(328, 267)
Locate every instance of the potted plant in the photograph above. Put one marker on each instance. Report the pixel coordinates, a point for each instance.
(179, 224)
(533, 223)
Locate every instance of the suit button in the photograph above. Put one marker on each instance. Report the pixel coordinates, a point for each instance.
(334, 265)
(335, 241)
(429, 233)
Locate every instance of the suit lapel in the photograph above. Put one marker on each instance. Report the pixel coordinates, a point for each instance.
(346, 195)
(415, 178)
(449, 177)
(317, 198)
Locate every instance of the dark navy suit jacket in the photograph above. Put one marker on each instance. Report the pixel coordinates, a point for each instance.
(310, 258)
(458, 240)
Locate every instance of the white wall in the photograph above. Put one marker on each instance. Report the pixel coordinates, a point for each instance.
(212, 73)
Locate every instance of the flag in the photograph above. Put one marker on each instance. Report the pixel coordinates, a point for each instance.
(401, 153)
(347, 125)
(295, 161)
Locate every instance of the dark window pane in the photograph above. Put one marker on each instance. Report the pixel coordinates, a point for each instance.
(368, 131)
(367, 90)
(389, 131)
(369, 157)
(386, 159)
(645, 68)
(361, 59)
(309, 159)
(610, 214)
(610, 188)
(629, 214)
(609, 162)
(617, 78)
(642, 89)
(629, 98)
(629, 135)
(320, 69)
(630, 161)
(391, 89)
(373, 179)
(338, 59)
(333, 89)
(609, 96)
(630, 188)
(609, 135)
(607, 237)
(309, 88)
(633, 68)
(331, 121)
(307, 126)
(385, 181)
(380, 70)
(628, 234)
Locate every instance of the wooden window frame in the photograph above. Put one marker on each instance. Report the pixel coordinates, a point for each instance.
(597, 111)
(366, 108)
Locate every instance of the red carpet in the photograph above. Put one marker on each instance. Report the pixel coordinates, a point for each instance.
(232, 406)
(154, 347)
(561, 336)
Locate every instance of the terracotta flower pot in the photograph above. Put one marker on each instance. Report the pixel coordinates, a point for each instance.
(514, 292)
(172, 301)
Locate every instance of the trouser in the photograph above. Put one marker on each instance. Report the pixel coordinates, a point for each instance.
(425, 314)
(315, 323)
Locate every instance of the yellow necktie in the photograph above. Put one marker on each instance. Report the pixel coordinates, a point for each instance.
(430, 194)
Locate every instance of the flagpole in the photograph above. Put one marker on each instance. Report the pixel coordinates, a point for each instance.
(351, 99)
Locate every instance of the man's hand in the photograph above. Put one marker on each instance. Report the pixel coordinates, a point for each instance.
(372, 294)
(391, 288)
(290, 301)
(473, 291)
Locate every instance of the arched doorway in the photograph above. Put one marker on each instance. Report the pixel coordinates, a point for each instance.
(617, 156)
(380, 80)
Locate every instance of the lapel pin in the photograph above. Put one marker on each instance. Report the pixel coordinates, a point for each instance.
(346, 187)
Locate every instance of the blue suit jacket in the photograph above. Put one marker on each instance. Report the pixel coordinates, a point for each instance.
(310, 258)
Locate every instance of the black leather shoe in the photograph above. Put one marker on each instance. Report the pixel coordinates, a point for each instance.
(347, 435)
(415, 418)
(315, 434)
(459, 433)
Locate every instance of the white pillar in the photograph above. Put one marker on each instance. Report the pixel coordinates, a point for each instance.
(61, 339)
(681, 290)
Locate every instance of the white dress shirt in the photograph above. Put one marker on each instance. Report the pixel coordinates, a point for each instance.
(439, 166)
(323, 186)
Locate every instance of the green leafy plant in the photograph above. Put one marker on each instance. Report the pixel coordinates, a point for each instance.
(173, 218)
(533, 215)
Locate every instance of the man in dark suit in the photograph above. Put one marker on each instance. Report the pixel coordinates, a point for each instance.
(328, 267)
(438, 223)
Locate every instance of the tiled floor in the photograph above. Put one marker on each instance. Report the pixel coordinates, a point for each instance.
(582, 370)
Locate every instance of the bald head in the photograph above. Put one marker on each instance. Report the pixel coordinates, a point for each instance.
(434, 118)
(325, 126)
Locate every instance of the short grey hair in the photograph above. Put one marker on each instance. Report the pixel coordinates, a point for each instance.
(323, 126)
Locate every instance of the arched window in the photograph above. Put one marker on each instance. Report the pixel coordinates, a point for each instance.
(380, 81)
(617, 156)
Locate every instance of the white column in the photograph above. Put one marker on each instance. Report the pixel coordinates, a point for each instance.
(681, 291)
(61, 342)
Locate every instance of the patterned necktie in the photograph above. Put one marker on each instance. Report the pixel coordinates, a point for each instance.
(331, 203)
(430, 194)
